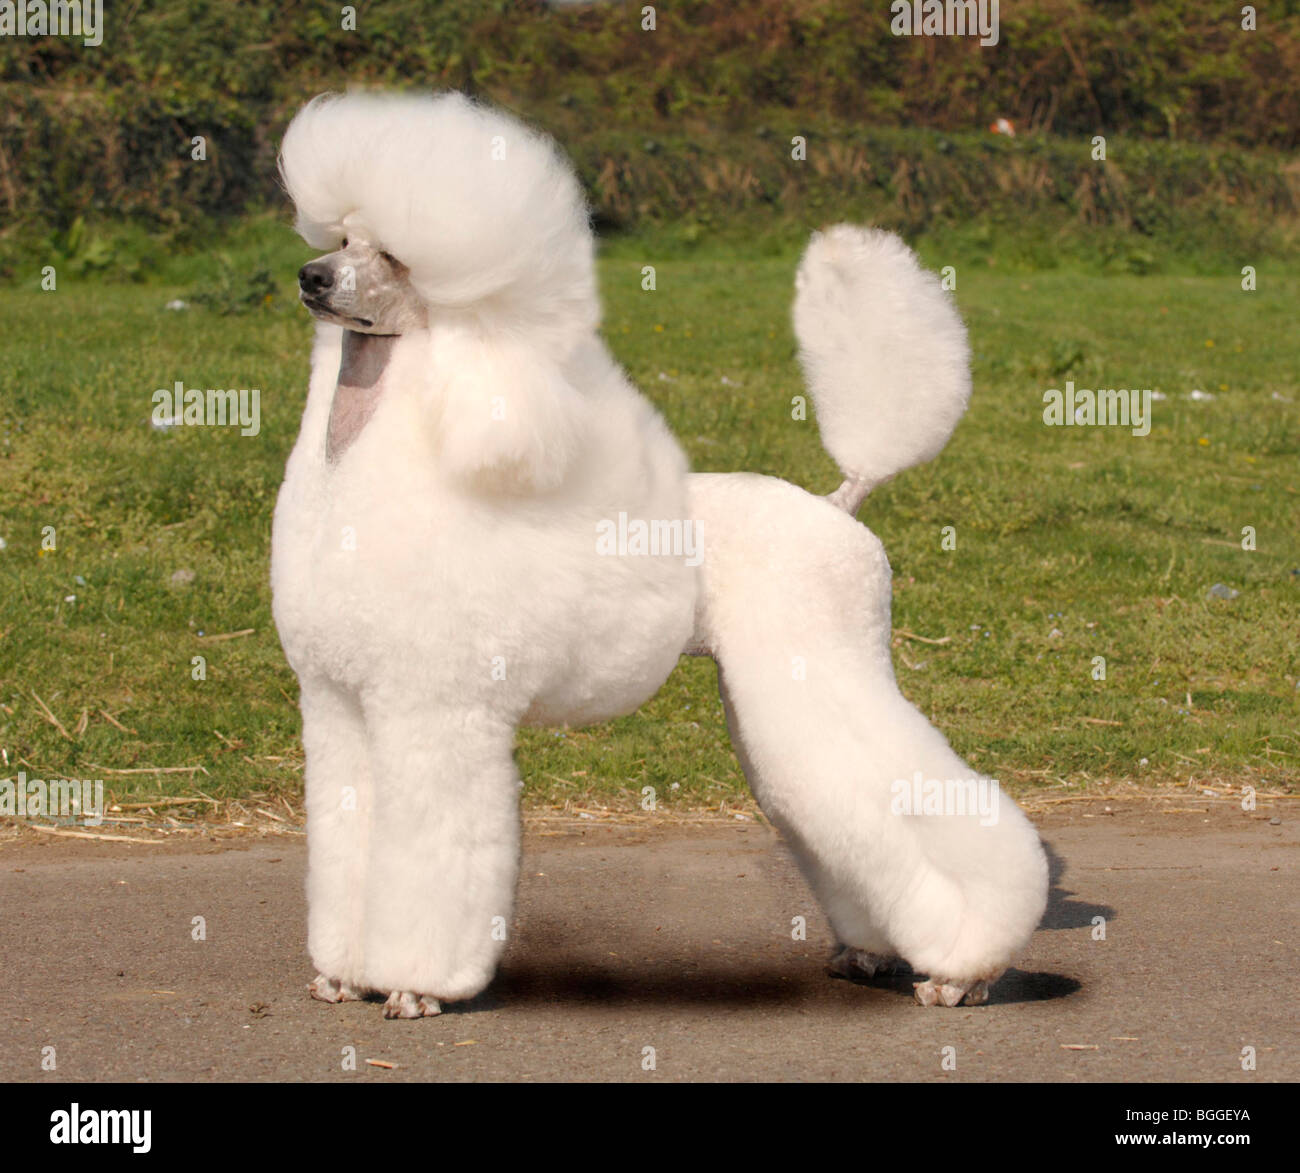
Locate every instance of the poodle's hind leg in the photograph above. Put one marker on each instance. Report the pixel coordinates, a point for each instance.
(444, 852)
(795, 609)
(862, 949)
(951, 897)
(861, 965)
(338, 803)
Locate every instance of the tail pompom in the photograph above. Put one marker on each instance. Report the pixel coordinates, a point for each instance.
(884, 355)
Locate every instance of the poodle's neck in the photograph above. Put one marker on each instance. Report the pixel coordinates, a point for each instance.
(361, 383)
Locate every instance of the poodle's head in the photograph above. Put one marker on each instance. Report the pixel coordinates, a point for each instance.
(430, 206)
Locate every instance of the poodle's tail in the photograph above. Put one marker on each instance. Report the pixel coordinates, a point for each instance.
(884, 355)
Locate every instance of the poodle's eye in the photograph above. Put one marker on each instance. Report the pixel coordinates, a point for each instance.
(345, 243)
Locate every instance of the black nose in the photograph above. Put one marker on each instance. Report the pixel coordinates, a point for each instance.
(315, 277)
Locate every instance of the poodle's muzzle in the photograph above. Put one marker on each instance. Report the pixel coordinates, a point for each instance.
(320, 287)
(362, 288)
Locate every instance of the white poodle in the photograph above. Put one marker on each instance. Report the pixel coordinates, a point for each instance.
(483, 524)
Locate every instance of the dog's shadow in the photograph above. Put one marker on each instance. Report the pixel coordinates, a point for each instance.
(1061, 911)
(539, 975)
(611, 985)
(1015, 985)
(524, 982)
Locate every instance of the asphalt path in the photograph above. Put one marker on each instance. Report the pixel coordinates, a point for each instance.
(660, 951)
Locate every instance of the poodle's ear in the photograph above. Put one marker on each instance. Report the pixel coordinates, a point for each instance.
(506, 417)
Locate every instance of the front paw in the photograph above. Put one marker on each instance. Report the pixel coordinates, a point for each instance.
(950, 992)
(326, 989)
(405, 1004)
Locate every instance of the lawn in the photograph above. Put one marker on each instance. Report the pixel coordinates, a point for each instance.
(129, 551)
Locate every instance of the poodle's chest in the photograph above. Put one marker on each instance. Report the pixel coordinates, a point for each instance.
(384, 565)
(348, 559)
(525, 611)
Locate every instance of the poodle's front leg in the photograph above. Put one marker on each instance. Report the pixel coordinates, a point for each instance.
(443, 853)
(338, 810)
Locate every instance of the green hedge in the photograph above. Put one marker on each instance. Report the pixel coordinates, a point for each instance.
(716, 91)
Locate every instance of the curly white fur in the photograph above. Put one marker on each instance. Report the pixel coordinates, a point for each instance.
(440, 582)
(883, 350)
(486, 213)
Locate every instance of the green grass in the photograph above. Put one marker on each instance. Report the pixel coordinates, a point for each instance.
(1108, 539)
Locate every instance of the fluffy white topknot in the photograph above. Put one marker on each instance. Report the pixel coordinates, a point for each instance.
(485, 212)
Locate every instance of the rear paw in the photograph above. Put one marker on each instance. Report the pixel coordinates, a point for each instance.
(326, 989)
(860, 964)
(950, 992)
(405, 1004)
